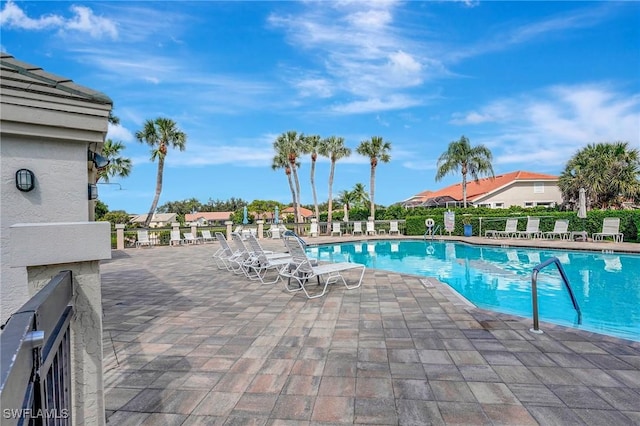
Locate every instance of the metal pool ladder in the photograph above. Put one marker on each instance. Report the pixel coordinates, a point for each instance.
(534, 291)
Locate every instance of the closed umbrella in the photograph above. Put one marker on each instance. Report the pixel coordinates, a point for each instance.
(245, 220)
(582, 207)
(276, 218)
(582, 204)
(346, 214)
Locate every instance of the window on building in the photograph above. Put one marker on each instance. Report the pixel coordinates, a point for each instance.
(529, 204)
(498, 205)
(538, 187)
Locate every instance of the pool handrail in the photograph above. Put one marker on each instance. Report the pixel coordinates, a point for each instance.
(433, 232)
(534, 290)
(290, 233)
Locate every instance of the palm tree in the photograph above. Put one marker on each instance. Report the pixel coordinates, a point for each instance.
(281, 161)
(291, 144)
(360, 196)
(160, 134)
(347, 198)
(377, 149)
(469, 160)
(311, 144)
(610, 172)
(333, 148)
(118, 166)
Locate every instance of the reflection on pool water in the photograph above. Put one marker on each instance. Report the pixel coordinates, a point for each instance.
(606, 286)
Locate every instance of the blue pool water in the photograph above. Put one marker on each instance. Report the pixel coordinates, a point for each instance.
(606, 286)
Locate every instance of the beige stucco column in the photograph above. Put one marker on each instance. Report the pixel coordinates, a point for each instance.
(260, 229)
(120, 236)
(229, 224)
(194, 229)
(44, 250)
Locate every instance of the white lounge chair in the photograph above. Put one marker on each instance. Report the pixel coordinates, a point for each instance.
(303, 271)
(313, 230)
(206, 236)
(610, 228)
(393, 227)
(274, 232)
(189, 238)
(510, 228)
(335, 229)
(532, 230)
(261, 261)
(175, 240)
(357, 228)
(226, 257)
(371, 228)
(143, 239)
(560, 230)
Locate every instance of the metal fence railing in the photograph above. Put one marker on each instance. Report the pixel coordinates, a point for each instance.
(162, 236)
(35, 372)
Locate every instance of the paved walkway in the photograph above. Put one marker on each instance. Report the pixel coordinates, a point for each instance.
(187, 344)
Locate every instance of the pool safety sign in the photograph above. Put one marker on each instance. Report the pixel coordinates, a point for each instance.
(449, 221)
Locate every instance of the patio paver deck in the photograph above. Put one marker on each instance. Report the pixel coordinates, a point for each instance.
(187, 344)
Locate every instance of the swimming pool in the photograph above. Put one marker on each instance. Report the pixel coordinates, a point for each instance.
(606, 286)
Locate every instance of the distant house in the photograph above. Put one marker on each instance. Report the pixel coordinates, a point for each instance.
(305, 213)
(520, 188)
(208, 218)
(158, 220)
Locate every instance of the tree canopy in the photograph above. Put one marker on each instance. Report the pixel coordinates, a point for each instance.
(608, 171)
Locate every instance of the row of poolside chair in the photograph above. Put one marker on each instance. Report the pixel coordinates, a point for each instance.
(336, 228)
(610, 228)
(251, 260)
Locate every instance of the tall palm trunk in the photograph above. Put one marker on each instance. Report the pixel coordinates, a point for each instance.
(373, 191)
(464, 190)
(156, 198)
(293, 193)
(297, 206)
(330, 206)
(313, 186)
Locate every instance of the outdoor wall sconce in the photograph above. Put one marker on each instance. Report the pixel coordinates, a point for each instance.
(100, 161)
(93, 191)
(25, 180)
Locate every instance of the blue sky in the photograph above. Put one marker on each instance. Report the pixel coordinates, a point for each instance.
(533, 81)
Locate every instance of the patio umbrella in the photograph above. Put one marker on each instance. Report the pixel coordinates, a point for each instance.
(346, 214)
(245, 220)
(275, 217)
(582, 206)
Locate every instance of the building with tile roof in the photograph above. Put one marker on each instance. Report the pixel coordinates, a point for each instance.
(208, 218)
(519, 188)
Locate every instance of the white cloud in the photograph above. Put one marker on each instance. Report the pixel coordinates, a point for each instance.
(83, 20)
(550, 126)
(119, 133)
(376, 104)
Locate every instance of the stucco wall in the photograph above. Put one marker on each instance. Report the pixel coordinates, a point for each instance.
(521, 192)
(60, 195)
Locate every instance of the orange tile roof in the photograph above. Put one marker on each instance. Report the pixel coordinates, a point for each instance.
(303, 211)
(483, 186)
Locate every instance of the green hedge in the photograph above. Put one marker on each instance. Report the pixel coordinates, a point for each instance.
(629, 221)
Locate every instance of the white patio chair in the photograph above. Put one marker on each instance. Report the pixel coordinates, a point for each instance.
(143, 239)
(175, 239)
(335, 229)
(371, 228)
(532, 230)
(313, 230)
(510, 228)
(357, 228)
(560, 230)
(610, 228)
(189, 238)
(206, 236)
(226, 257)
(393, 227)
(302, 270)
(260, 262)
